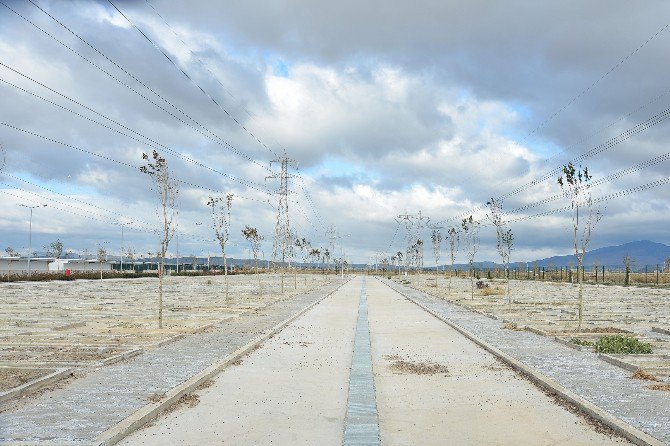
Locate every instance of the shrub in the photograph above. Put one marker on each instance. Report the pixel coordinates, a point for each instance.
(618, 344)
(581, 342)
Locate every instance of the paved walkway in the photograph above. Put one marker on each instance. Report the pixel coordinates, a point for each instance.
(293, 390)
(605, 385)
(89, 405)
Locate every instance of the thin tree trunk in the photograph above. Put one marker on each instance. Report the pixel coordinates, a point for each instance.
(160, 292)
(225, 271)
(581, 296)
(509, 294)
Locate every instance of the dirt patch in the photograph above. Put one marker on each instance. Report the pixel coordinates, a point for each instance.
(157, 397)
(512, 326)
(11, 378)
(643, 375)
(403, 366)
(205, 385)
(77, 354)
(663, 387)
(603, 330)
(187, 400)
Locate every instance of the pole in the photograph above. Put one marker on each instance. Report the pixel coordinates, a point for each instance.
(177, 253)
(121, 249)
(30, 240)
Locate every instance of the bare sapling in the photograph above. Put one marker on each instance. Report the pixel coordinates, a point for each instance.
(576, 187)
(470, 228)
(315, 255)
(454, 242)
(504, 238)
(628, 265)
(436, 238)
(102, 255)
(167, 190)
(326, 257)
(221, 226)
(255, 240)
(55, 249)
(305, 248)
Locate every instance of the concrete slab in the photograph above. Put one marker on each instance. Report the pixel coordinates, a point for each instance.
(293, 390)
(474, 401)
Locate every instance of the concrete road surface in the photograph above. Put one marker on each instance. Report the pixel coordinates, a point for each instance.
(433, 387)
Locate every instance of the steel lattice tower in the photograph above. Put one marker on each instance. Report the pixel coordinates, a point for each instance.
(282, 248)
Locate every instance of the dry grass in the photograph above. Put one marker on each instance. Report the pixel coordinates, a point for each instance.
(663, 387)
(416, 367)
(495, 291)
(157, 397)
(512, 326)
(604, 330)
(643, 375)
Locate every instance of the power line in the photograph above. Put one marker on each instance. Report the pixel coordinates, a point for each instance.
(182, 71)
(152, 143)
(624, 136)
(211, 136)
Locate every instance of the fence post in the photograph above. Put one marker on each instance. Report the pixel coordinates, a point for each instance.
(657, 274)
(646, 273)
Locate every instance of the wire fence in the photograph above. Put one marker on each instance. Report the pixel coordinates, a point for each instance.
(647, 275)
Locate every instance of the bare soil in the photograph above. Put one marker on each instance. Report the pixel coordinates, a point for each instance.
(11, 378)
(400, 365)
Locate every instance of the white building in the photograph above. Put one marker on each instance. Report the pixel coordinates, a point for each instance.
(18, 265)
(79, 265)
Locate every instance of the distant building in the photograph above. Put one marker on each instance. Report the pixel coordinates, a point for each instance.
(79, 265)
(19, 265)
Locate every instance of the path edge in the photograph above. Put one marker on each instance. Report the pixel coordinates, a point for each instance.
(622, 428)
(145, 414)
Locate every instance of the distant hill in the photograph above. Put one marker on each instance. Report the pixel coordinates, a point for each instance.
(643, 252)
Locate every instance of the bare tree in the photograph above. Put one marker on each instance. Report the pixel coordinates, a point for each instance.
(470, 228)
(102, 256)
(305, 248)
(11, 252)
(667, 265)
(504, 238)
(575, 186)
(315, 254)
(221, 225)
(254, 239)
(628, 262)
(130, 255)
(454, 242)
(436, 238)
(167, 190)
(326, 256)
(55, 249)
(398, 256)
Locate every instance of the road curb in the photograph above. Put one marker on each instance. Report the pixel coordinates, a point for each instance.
(36, 384)
(145, 414)
(622, 428)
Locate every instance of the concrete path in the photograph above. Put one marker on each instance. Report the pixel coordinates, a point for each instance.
(291, 391)
(86, 407)
(605, 385)
(475, 401)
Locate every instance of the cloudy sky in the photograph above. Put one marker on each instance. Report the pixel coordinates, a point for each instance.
(387, 108)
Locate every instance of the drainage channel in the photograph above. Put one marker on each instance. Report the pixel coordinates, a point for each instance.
(361, 425)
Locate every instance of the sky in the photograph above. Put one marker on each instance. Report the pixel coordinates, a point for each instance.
(385, 108)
